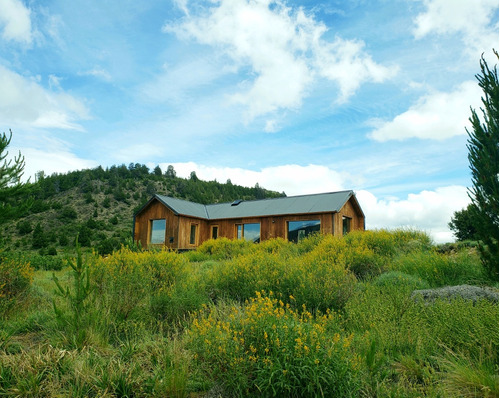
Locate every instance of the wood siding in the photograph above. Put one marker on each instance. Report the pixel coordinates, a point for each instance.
(178, 227)
(156, 211)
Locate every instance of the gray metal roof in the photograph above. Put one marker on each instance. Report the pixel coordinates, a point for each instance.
(184, 207)
(303, 204)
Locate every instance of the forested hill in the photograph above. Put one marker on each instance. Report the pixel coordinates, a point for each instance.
(99, 204)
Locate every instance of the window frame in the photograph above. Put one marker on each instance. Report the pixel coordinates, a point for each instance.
(151, 231)
(193, 234)
(212, 229)
(346, 225)
(240, 231)
(317, 222)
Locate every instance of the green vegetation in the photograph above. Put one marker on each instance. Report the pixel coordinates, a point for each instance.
(11, 187)
(98, 205)
(328, 316)
(483, 159)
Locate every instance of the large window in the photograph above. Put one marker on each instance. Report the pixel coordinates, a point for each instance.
(158, 228)
(346, 225)
(249, 232)
(298, 230)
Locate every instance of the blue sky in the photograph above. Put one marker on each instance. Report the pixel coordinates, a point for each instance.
(300, 97)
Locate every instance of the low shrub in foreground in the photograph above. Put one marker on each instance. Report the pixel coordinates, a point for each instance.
(125, 280)
(266, 348)
(15, 279)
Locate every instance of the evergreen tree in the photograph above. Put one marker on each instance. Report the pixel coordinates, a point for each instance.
(463, 224)
(11, 187)
(170, 173)
(483, 159)
(39, 237)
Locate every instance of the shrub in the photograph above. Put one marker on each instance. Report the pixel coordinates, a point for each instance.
(321, 279)
(15, 279)
(125, 280)
(224, 248)
(410, 240)
(400, 279)
(266, 348)
(439, 269)
(240, 278)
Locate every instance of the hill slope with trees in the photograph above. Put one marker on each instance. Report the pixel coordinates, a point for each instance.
(98, 205)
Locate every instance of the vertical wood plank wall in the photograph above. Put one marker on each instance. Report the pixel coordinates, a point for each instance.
(156, 211)
(179, 227)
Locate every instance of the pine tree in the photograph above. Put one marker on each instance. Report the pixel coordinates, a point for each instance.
(463, 224)
(483, 159)
(11, 186)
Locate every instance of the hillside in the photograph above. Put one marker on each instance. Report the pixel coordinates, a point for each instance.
(99, 204)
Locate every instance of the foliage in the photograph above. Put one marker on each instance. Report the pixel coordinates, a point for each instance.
(126, 279)
(328, 317)
(463, 224)
(401, 280)
(439, 269)
(15, 280)
(224, 248)
(11, 188)
(319, 279)
(483, 159)
(76, 298)
(266, 348)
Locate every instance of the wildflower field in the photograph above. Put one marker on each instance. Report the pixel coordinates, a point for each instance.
(327, 317)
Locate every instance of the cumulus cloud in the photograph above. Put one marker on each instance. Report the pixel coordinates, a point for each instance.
(436, 116)
(472, 19)
(25, 101)
(15, 21)
(428, 210)
(51, 161)
(284, 49)
(292, 179)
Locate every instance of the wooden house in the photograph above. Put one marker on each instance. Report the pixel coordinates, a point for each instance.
(180, 224)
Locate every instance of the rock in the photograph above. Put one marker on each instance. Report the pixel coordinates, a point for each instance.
(467, 292)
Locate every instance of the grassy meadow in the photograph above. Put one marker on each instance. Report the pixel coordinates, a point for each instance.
(328, 316)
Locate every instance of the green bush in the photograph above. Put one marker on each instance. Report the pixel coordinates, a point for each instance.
(265, 348)
(224, 248)
(15, 280)
(400, 279)
(441, 270)
(126, 280)
(319, 279)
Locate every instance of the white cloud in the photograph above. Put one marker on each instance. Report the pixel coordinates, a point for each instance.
(292, 179)
(436, 116)
(472, 19)
(16, 22)
(44, 152)
(283, 48)
(429, 211)
(25, 101)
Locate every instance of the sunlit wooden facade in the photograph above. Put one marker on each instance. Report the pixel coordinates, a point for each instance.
(179, 224)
